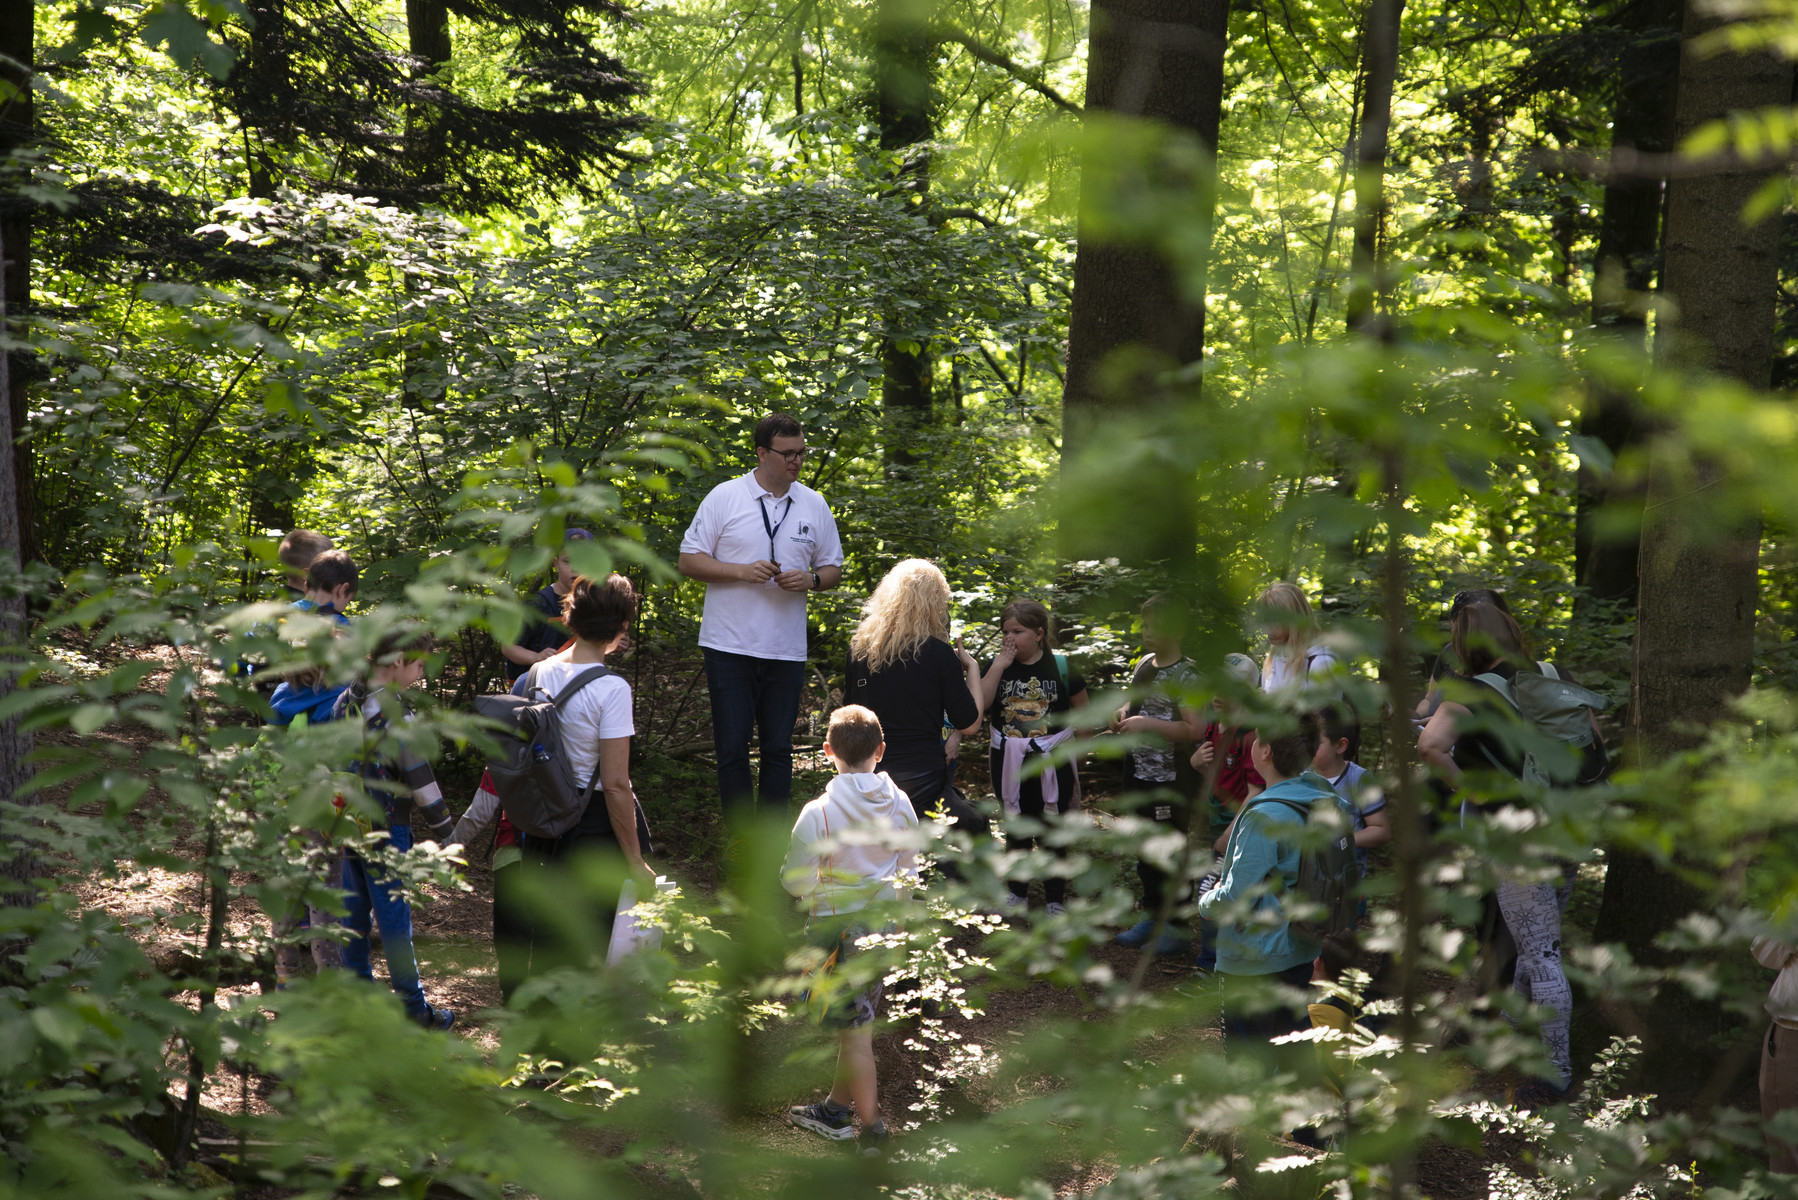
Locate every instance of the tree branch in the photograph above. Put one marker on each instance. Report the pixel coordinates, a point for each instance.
(1031, 79)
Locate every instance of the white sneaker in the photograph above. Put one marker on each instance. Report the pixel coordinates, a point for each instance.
(1013, 902)
(1055, 908)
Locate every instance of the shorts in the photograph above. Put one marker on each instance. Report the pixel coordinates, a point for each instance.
(840, 1011)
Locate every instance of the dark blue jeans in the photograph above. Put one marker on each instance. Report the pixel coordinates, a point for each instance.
(371, 899)
(753, 696)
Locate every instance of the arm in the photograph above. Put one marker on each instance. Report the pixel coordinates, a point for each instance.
(1187, 729)
(621, 802)
(519, 655)
(1378, 831)
(480, 814)
(989, 683)
(1223, 839)
(799, 579)
(1252, 859)
(1436, 744)
(703, 567)
(971, 672)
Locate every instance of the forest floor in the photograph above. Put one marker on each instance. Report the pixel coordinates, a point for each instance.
(453, 931)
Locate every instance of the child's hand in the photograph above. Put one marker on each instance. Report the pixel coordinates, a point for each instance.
(967, 661)
(1201, 757)
(1008, 653)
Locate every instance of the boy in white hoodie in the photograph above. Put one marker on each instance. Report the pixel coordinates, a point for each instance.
(835, 878)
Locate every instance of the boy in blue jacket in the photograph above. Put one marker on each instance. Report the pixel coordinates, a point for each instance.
(1261, 864)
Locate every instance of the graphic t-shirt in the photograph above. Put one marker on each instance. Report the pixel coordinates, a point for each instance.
(1028, 695)
(1160, 762)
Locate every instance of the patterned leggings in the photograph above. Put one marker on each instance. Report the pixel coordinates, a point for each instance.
(1532, 912)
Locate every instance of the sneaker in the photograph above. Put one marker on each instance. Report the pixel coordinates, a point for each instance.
(1013, 902)
(874, 1140)
(1538, 1094)
(1173, 941)
(438, 1019)
(824, 1119)
(1055, 908)
(1137, 934)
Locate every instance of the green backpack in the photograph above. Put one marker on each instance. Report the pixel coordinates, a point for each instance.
(1561, 744)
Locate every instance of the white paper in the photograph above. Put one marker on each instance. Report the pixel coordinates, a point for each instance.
(628, 934)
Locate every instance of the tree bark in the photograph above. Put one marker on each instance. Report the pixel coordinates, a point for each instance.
(18, 865)
(1380, 53)
(1629, 242)
(18, 129)
(902, 81)
(1695, 622)
(428, 34)
(1159, 64)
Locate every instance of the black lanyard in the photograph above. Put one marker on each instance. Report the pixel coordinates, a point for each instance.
(760, 503)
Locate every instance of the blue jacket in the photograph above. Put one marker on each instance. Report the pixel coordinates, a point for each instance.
(315, 704)
(1258, 859)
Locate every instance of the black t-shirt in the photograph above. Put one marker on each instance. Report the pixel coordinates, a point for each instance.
(1029, 695)
(911, 697)
(543, 629)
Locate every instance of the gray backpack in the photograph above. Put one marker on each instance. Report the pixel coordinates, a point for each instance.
(530, 768)
(1562, 747)
(1329, 870)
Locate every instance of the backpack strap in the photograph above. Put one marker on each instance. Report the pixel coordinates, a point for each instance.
(598, 671)
(1061, 670)
(1548, 669)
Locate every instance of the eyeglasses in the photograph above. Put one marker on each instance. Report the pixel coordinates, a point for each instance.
(792, 456)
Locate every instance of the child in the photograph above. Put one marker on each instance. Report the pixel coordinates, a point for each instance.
(1162, 676)
(511, 924)
(837, 880)
(1261, 862)
(331, 583)
(1235, 780)
(543, 633)
(1366, 801)
(298, 550)
(371, 899)
(1294, 656)
(1023, 690)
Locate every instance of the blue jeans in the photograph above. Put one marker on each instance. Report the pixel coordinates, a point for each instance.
(371, 899)
(759, 696)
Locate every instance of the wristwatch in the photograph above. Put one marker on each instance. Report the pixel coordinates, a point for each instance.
(817, 584)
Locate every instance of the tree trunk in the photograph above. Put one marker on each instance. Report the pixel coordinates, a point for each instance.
(902, 80)
(18, 128)
(264, 86)
(1380, 53)
(1629, 240)
(1695, 622)
(428, 33)
(18, 866)
(1159, 63)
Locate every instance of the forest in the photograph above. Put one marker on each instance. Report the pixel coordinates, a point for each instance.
(1092, 302)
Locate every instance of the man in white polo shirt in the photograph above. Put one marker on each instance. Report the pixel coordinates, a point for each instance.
(760, 542)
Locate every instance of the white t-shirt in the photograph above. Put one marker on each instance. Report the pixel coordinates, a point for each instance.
(602, 709)
(761, 620)
(1278, 671)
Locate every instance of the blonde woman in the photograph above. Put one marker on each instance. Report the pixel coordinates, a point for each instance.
(1293, 654)
(902, 666)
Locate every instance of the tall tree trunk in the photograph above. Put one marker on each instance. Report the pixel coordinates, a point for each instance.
(902, 82)
(1380, 54)
(1629, 240)
(1160, 63)
(1695, 622)
(18, 128)
(264, 85)
(18, 866)
(428, 33)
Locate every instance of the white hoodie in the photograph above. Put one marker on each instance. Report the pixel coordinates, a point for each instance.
(847, 876)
